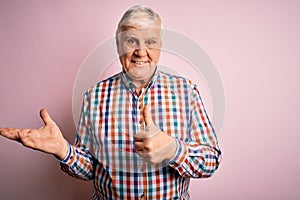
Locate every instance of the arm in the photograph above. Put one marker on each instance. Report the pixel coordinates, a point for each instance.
(200, 156)
(79, 161)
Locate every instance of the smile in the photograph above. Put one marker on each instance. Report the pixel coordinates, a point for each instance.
(139, 62)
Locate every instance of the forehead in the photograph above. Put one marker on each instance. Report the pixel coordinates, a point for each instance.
(137, 30)
(141, 33)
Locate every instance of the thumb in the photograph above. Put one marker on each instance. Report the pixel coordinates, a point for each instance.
(147, 115)
(46, 117)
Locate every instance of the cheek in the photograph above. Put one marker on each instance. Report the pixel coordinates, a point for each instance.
(155, 54)
(125, 59)
(123, 50)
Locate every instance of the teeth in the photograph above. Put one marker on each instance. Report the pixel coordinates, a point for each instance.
(140, 63)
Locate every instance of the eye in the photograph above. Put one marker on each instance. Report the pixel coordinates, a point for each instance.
(151, 43)
(132, 42)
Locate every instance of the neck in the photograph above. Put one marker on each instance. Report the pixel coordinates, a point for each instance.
(140, 84)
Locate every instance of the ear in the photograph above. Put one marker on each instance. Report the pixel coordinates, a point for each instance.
(118, 43)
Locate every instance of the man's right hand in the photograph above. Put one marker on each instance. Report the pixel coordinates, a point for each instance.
(48, 138)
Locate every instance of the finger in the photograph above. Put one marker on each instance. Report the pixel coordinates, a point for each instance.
(10, 133)
(151, 129)
(140, 136)
(23, 134)
(140, 151)
(139, 146)
(147, 115)
(46, 117)
(27, 138)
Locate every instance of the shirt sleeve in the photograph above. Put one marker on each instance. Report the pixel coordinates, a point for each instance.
(79, 161)
(199, 157)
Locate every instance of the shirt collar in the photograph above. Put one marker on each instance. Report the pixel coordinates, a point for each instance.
(129, 85)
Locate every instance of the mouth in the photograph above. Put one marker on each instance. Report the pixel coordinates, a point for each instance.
(139, 62)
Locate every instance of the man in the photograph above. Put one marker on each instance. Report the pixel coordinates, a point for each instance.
(142, 133)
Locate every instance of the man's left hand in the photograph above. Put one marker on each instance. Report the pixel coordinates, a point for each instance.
(153, 145)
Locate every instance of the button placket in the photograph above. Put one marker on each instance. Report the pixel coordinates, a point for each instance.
(140, 105)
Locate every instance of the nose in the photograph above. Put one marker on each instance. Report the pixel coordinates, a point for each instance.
(140, 52)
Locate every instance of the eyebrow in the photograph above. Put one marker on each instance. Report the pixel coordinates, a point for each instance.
(133, 36)
(130, 35)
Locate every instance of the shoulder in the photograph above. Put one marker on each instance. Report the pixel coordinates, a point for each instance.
(105, 84)
(172, 79)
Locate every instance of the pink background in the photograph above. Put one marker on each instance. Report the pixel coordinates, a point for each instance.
(254, 44)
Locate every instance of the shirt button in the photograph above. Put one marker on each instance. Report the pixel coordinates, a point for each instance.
(142, 196)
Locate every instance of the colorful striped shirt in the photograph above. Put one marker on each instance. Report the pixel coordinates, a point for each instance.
(104, 145)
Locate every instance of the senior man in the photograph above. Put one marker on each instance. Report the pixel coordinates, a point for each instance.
(142, 133)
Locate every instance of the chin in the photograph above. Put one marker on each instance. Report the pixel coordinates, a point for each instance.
(138, 72)
(137, 76)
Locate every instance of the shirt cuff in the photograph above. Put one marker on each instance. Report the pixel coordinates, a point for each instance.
(180, 154)
(70, 155)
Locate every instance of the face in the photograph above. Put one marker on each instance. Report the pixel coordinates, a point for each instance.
(139, 51)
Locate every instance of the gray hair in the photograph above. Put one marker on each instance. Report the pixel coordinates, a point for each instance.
(138, 15)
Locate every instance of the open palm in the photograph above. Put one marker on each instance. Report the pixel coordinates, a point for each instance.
(48, 138)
